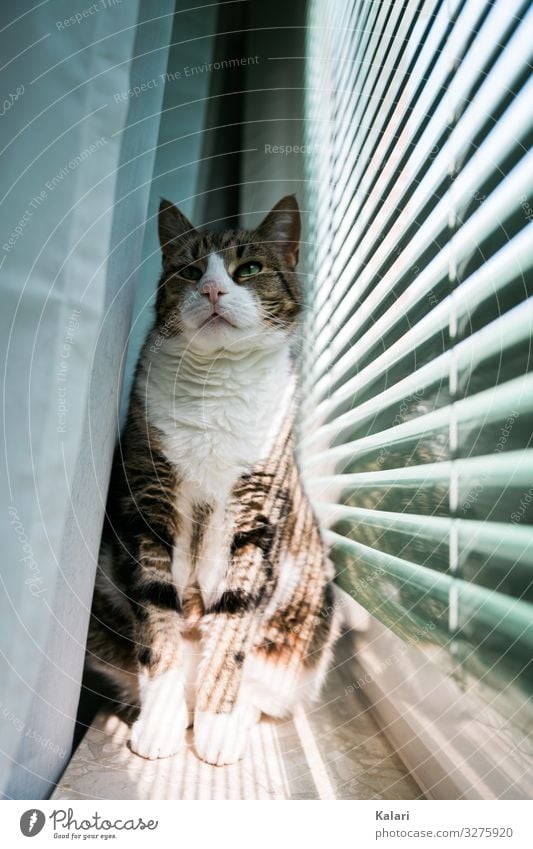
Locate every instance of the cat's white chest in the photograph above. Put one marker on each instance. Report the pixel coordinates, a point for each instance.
(215, 427)
(213, 443)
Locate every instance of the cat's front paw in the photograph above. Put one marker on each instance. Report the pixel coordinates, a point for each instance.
(222, 738)
(155, 735)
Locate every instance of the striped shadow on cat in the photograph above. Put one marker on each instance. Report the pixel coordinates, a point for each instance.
(213, 595)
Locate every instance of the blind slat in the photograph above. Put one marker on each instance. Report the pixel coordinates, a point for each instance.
(513, 469)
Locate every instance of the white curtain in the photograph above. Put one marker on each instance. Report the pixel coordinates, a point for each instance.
(79, 125)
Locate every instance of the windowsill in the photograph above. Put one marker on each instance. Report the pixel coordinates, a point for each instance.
(333, 750)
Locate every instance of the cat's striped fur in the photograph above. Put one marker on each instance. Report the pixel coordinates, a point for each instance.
(213, 594)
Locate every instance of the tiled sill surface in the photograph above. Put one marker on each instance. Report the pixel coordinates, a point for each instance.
(334, 750)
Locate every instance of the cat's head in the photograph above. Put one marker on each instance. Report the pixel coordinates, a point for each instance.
(229, 289)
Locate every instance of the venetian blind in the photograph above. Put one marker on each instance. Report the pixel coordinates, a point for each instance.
(417, 413)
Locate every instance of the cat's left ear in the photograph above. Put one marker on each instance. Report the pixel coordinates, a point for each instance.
(173, 226)
(281, 228)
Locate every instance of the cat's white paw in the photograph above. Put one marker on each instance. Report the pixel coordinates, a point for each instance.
(222, 738)
(159, 732)
(154, 736)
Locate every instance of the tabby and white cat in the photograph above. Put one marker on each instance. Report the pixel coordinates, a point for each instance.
(213, 593)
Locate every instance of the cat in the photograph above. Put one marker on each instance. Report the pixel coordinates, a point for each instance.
(213, 596)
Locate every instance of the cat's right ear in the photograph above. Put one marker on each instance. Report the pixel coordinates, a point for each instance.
(172, 226)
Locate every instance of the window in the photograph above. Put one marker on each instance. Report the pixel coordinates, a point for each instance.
(418, 392)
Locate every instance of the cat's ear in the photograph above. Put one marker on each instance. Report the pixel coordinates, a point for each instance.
(281, 228)
(172, 224)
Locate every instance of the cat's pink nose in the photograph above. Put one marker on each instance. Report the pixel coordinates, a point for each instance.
(213, 289)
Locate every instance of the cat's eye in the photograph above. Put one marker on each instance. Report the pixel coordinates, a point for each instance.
(249, 269)
(190, 272)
